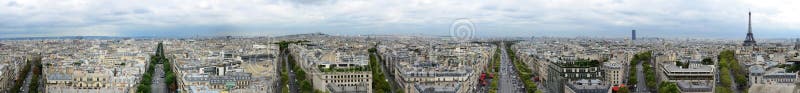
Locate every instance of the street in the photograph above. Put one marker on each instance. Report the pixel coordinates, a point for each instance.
(158, 82)
(640, 86)
(27, 82)
(509, 81)
(734, 86)
(387, 75)
(292, 81)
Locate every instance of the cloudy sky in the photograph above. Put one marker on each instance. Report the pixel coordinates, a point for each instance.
(563, 18)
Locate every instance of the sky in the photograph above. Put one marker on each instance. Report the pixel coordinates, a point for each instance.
(491, 18)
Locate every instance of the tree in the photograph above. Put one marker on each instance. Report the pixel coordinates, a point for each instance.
(669, 87)
(300, 74)
(306, 87)
(632, 80)
(650, 76)
(707, 61)
(170, 78)
(379, 83)
(792, 68)
(146, 79)
(285, 89)
(727, 59)
(720, 89)
(623, 90)
(522, 69)
(724, 80)
(143, 89)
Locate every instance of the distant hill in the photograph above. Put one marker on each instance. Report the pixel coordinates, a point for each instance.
(71, 37)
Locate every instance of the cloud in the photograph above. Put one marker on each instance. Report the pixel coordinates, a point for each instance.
(600, 18)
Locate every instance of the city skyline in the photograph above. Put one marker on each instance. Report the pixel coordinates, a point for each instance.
(605, 18)
(399, 46)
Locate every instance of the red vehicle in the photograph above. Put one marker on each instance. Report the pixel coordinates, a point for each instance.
(483, 79)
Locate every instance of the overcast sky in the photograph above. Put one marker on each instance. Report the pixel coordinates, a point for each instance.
(563, 18)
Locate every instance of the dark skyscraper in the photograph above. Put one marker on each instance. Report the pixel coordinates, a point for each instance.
(749, 41)
(797, 44)
(633, 35)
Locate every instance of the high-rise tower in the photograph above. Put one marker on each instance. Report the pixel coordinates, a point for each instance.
(749, 41)
(797, 44)
(633, 34)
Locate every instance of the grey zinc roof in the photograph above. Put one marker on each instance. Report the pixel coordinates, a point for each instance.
(692, 68)
(59, 76)
(756, 69)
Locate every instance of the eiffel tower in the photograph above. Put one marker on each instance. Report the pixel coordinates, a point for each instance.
(749, 41)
